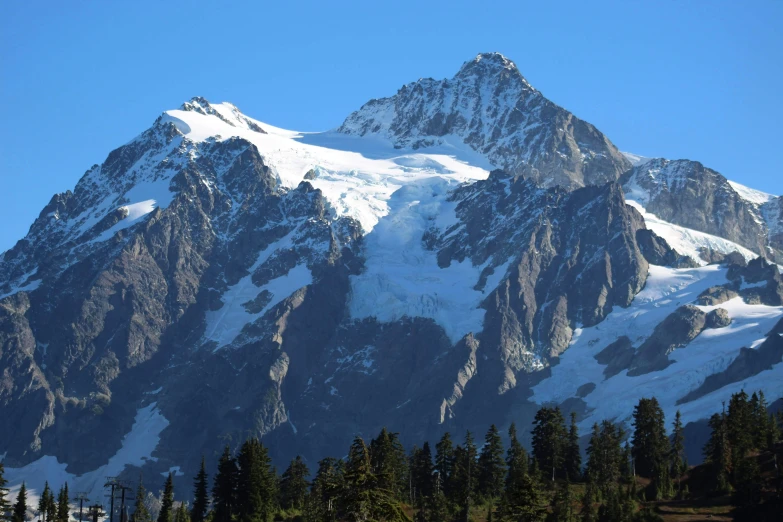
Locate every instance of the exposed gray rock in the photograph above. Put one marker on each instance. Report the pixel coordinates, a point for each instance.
(617, 356)
(658, 252)
(688, 194)
(718, 318)
(585, 390)
(716, 295)
(676, 331)
(493, 109)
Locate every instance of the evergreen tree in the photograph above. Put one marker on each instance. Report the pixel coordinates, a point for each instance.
(549, 441)
(389, 463)
(200, 495)
(51, 507)
(626, 464)
(739, 425)
(525, 503)
(463, 481)
(678, 465)
(43, 503)
(5, 505)
(181, 514)
(422, 472)
(224, 488)
(589, 499)
(605, 455)
(256, 483)
(491, 465)
(650, 446)
(63, 509)
(140, 511)
(167, 502)
(717, 452)
(363, 499)
(516, 462)
(20, 508)
(444, 462)
(573, 456)
(293, 485)
(563, 505)
(328, 487)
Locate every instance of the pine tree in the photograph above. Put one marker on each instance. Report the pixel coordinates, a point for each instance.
(573, 456)
(63, 509)
(422, 472)
(5, 505)
(525, 503)
(549, 441)
(51, 506)
(140, 511)
(463, 481)
(43, 503)
(589, 499)
(200, 495)
(444, 462)
(389, 463)
(293, 485)
(739, 424)
(224, 488)
(491, 465)
(181, 514)
(20, 508)
(359, 482)
(605, 455)
(717, 452)
(327, 489)
(650, 446)
(516, 462)
(167, 502)
(562, 507)
(678, 466)
(256, 483)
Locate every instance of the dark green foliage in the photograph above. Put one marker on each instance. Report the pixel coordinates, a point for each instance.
(20, 508)
(678, 466)
(550, 442)
(5, 505)
(740, 425)
(293, 485)
(616, 508)
(224, 488)
(717, 452)
(43, 503)
(326, 490)
(516, 462)
(422, 473)
(463, 480)
(491, 465)
(256, 483)
(589, 512)
(167, 502)
(563, 505)
(748, 484)
(140, 511)
(573, 457)
(605, 455)
(389, 463)
(63, 509)
(181, 514)
(444, 462)
(650, 447)
(200, 495)
(525, 502)
(363, 498)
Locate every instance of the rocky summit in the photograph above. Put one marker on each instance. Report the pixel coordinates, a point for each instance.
(454, 255)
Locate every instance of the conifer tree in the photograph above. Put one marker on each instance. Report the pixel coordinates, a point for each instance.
(388, 462)
(605, 455)
(327, 489)
(589, 512)
(293, 485)
(43, 503)
(63, 509)
(224, 489)
(50, 505)
(140, 511)
(516, 462)
(167, 501)
(525, 503)
(717, 452)
(573, 456)
(200, 495)
(20, 508)
(650, 446)
(549, 441)
(422, 472)
(181, 513)
(256, 483)
(444, 462)
(491, 465)
(739, 424)
(5, 505)
(562, 506)
(678, 465)
(363, 500)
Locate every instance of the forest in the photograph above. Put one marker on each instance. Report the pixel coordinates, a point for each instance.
(641, 475)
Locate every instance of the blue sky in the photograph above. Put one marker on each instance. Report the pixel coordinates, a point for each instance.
(698, 80)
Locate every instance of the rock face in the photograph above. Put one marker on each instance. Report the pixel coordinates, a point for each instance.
(490, 106)
(217, 278)
(718, 318)
(686, 193)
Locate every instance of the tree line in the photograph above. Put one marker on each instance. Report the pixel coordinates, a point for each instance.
(379, 480)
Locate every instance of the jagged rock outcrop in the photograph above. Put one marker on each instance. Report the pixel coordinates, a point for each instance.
(490, 106)
(718, 318)
(674, 332)
(687, 193)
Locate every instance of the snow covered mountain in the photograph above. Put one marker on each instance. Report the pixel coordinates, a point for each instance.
(448, 258)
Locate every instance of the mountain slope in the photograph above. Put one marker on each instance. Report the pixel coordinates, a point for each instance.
(217, 277)
(489, 106)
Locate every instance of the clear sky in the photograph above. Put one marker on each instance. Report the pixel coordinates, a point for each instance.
(696, 79)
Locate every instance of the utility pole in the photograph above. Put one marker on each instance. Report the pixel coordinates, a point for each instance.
(96, 512)
(81, 497)
(111, 482)
(123, 486)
